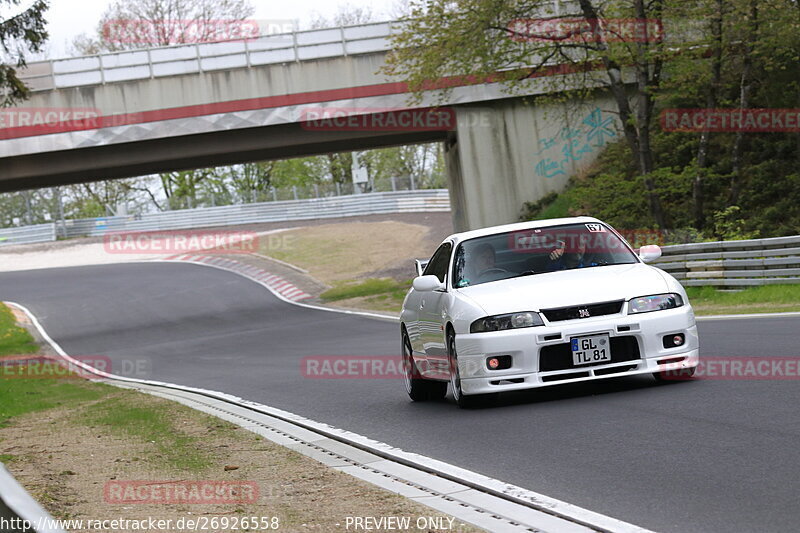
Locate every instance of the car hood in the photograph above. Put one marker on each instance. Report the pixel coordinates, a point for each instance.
(567, 288)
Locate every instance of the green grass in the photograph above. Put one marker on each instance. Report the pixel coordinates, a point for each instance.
(171, 447)
(19, 396)
(6, 458)
(368, 287)
(14, 340)
(763, 299)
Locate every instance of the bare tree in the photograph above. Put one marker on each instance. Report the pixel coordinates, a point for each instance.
(346, 15)
(133, 24)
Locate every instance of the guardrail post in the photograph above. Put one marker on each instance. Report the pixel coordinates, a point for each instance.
(338, 189)
(53, 73)
(294, 45)
(150, 63)
(294, 191)
(344, 41)
(316, 190)
(274, 194)
(394, 184)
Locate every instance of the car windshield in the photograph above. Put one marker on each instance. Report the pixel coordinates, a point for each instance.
(537, 251)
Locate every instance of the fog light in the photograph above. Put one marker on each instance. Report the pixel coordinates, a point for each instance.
(673, 341)
(498, 362)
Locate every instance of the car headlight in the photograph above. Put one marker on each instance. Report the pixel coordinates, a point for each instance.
(510, 321)
(656, 302)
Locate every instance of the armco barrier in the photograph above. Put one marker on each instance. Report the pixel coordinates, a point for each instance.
(16, 506)
(337, 206)
(734, 264)
(28, 234)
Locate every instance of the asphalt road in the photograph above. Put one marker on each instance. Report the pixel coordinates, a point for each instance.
(704, 455)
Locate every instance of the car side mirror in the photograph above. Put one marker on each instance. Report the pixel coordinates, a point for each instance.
(427, 283)
(420, 265)
(649, 253)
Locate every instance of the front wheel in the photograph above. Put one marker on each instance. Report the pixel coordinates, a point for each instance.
(462, 400)
(419, 389)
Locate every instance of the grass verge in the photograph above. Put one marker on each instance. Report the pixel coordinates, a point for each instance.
(66, 440)
(14, 340)
(378, 294)
(763, 299)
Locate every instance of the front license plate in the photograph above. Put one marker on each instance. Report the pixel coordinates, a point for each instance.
(591, 349)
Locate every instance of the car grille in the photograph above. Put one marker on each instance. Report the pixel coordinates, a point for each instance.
(583, 311)
(559, 356)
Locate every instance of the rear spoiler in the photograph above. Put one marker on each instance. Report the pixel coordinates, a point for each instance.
(420, 265)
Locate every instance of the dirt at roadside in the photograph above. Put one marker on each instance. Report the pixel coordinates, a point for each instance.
(66, 465)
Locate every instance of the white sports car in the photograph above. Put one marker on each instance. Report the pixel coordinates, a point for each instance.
(541, 303)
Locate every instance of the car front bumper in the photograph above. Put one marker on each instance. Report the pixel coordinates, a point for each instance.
(640, 337)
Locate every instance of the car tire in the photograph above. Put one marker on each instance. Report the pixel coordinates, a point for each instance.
(674, 375)
(464, 401)
(418, 388)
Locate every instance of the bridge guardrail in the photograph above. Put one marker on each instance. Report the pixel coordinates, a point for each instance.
(174, 60)
(734, 264)
(201, 57)
(28, 234)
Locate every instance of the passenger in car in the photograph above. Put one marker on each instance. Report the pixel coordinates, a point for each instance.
(560, 259)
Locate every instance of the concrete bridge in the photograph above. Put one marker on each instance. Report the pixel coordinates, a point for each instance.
(132, 113)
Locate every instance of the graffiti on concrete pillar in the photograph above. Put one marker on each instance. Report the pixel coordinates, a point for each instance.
(574, 144)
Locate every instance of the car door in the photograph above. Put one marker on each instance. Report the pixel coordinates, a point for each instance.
(431, 312)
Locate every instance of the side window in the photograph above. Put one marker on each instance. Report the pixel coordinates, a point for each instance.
(438, 263)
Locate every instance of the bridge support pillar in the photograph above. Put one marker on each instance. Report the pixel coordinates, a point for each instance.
(508, 152)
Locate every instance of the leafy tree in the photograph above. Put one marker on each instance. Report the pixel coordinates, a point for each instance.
(23, 32)
(504, 41)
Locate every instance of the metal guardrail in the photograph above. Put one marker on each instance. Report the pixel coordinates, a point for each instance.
(229, 215)
(376, 203)
(28, 234)
(18, 509)
(734, 264)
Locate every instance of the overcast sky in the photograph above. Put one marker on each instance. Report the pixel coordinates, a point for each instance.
(68, 18)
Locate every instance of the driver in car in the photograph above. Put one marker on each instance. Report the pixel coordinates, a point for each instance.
(484, 260)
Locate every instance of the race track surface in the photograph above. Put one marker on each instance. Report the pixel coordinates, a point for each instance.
(704, 455)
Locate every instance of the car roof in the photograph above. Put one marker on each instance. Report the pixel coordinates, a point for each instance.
(519, 226)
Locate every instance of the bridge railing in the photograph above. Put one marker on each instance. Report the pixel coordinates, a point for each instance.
(194, 58)
(203, 57)
(734, 264)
